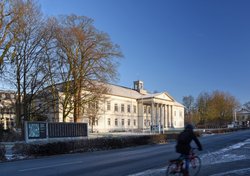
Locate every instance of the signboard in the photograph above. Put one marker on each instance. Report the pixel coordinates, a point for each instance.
(156, 128)
(36, 130)
(45, 131)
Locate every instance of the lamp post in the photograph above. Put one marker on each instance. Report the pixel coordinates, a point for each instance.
(235, 115)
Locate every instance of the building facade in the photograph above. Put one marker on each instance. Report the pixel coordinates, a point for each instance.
(123, 109)
(243, 117)
(134, 110)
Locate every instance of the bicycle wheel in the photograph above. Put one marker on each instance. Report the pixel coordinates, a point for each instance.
(172, 170)
(194, 166)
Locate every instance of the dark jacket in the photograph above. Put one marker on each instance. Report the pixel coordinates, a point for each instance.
(183, 142)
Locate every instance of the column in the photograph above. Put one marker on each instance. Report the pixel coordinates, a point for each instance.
(168, 115)
(147, 118)
(152, 114)
(142, 116)
(164, 116)
(157, 114)
(171, 114)
(161, 117)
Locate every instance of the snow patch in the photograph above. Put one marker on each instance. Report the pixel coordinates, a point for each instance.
(239, 172)
(152, 172)
(231, 153)
(235, 152)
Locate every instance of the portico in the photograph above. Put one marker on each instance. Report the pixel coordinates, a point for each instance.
(157, 112)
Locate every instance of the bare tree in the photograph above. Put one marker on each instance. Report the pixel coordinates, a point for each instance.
(85, 54)
(68, 55)
(25, 68)
(95, 107)
(202, 107)
(10, 14)
(188, 102)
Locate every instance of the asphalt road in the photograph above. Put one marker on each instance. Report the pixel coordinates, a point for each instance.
(128, 161)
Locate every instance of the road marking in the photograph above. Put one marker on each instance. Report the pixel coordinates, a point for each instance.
(50, 166)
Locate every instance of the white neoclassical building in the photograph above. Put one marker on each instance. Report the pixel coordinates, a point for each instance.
(127, 109)
(123, 109)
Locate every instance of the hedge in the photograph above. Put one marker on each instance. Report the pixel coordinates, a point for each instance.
(95, 144)
(85, 145)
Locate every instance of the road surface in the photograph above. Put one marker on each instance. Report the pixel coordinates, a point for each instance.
(222, 153)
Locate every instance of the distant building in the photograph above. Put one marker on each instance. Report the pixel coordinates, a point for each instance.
(126, 109)
(7, 109)
(243, 117)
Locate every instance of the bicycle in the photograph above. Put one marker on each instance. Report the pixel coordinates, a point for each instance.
(177, 166)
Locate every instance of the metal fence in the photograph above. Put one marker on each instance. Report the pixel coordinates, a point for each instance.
(67, 130)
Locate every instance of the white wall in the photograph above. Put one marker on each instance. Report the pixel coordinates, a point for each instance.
(178, 117)
(122, 117)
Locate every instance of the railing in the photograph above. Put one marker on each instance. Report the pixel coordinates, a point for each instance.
(67, 130)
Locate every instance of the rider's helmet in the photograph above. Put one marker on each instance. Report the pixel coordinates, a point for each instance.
(189, 127)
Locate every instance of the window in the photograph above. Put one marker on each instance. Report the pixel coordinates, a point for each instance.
(128, 122)
(134, 122)
(108, 106)
(122, 122)
(96, 122)
(145, 109)
(134, 109)
(149, 110)
(116, 122)
(122, 108)
(93, 105)
(128, 108)
(12, 110)
(116, 107)
(3, 96)
(12, 96)
(175, 113)
(109, 122)
(180, 113)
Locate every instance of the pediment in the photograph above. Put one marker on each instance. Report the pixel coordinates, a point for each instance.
(164, 96)
(243, 111)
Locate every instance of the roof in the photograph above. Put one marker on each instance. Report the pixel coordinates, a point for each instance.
(131, 93)
(117, 90)
(123, 91)
(243, 111)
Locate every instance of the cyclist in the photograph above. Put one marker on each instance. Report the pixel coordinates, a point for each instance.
(183, 145)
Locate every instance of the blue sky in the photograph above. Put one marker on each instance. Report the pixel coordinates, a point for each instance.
(184, 47)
